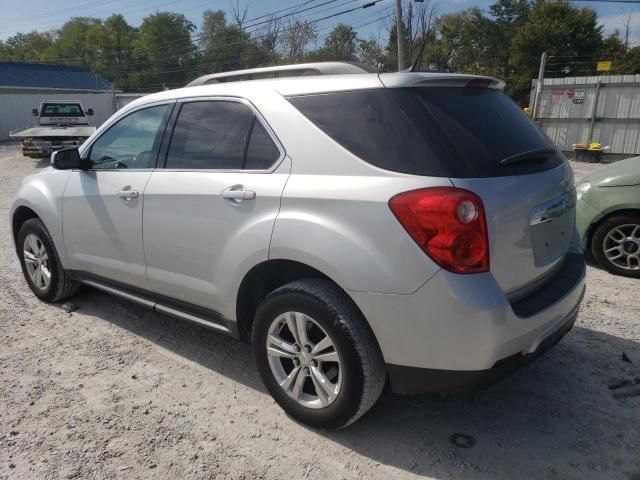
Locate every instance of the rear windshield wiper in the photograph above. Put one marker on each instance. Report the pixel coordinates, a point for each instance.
(535, 154)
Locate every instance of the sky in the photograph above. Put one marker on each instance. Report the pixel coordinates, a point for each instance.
(28, 15)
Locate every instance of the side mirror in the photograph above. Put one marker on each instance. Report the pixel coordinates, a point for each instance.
(35, 112)
(66, 159)
(90, 112)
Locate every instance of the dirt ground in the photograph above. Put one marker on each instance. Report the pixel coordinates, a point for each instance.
(113, 390)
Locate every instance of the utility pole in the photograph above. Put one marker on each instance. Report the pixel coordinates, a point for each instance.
(536, 100)
(400, 35)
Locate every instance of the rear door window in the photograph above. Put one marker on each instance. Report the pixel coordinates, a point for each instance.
(220, 135)
(210, 135)
(458, 132)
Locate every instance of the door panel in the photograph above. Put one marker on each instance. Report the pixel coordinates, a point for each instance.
(102, 207)
(102, 227)
(199, 242)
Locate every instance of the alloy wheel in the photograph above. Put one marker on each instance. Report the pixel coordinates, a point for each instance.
(36, 261)
(621, 246)
(304, 360)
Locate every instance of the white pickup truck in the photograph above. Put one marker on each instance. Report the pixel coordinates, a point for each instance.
(61, 124)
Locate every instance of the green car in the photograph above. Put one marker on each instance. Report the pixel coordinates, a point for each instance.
(608, 216)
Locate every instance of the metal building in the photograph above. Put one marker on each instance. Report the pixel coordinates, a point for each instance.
(580, 110)
(24, 85)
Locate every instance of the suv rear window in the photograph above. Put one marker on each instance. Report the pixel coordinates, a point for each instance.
(61, 110)
(460, 132)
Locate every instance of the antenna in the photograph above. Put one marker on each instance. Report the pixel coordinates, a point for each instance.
(424, 44)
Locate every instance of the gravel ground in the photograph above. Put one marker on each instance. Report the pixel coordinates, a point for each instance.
(113, 390)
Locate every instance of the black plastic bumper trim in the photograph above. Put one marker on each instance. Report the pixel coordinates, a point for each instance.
(572, 270)
(411, 380)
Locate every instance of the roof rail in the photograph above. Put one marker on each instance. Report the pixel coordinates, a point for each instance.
(297, 70)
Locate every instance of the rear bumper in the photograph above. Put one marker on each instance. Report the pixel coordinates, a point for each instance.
(410, 380)
(458, 332)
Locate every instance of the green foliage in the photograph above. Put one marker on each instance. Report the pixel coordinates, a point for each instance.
(340, 45)
(505, 41)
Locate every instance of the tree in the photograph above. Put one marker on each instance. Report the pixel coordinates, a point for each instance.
(510, 13)
(630, 62)
(28, 46)
(463, 43)
(163, 50)
(558, 28)
(297, 35)
(340, 45)
(371, 53)
(73, 42)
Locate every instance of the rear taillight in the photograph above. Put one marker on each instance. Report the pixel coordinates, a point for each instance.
(448, 224)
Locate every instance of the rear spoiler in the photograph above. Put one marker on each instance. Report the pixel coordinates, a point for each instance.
(419, 79)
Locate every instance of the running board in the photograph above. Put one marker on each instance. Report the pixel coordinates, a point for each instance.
(157, 306)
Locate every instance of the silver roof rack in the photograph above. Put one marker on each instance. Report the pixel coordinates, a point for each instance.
(298, 70)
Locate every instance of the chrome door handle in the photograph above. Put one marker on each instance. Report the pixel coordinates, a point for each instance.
(128, 194)
(238, 193)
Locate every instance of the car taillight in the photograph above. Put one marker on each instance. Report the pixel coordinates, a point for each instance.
(448, 224)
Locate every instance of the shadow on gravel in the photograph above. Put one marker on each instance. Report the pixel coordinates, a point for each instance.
(556, 418)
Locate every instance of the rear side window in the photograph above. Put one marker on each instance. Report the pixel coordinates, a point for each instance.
(220, 135)
(261, 152)
(458, 132)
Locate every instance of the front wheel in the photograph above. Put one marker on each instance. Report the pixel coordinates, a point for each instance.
(316, 354)
(41, 265)
(615, 245)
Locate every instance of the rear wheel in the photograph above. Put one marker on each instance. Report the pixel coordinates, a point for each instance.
(615, 245)
(316, 354)
(41, 265)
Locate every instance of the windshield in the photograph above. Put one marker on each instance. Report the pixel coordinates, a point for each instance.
(61, 110)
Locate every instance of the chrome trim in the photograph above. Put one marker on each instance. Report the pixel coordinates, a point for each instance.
(120, 293)
(191, 318)
(548, 211)
(158, 307)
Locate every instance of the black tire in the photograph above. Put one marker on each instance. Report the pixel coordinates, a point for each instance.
(598, 238)
(61, 286)
(363, 369)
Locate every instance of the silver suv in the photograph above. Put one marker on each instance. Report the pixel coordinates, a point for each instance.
(354, 228)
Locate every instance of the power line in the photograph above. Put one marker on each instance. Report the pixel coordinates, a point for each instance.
(56, 13)
(606, 1)
(198, 37)
(176, 56)
(239, 62)
(235, 62)
(153, 6)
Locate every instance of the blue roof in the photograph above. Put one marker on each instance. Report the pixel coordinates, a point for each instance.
(40, 75)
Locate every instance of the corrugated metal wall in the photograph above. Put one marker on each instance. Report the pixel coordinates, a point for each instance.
(15, 108)
(566, 105)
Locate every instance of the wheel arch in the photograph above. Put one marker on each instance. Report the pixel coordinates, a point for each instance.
(594, 226)
(20, 215)
(265, 278)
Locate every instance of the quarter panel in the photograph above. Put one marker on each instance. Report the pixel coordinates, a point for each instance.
(343, 227)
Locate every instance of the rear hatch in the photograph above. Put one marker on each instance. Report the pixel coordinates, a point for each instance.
(494, 150)
(465, 128)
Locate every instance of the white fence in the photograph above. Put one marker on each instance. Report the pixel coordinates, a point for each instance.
(604, 109)
(15, 109)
